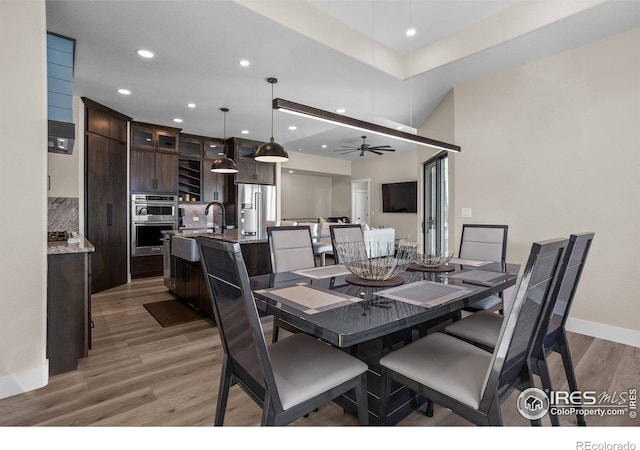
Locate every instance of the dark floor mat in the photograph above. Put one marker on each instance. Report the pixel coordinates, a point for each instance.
(172, 312)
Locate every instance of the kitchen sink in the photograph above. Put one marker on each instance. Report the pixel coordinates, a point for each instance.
(185, 248)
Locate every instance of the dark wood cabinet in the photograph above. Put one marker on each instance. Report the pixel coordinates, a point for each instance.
(249, 170)
(146, 266)
(191, 286)
(213, 184)
(102, 121)
(68, 311)
(147, 136)
(106, 197)
(154, 159)
(212, 148)
(189, 179)
(154, 172)
(190, 145)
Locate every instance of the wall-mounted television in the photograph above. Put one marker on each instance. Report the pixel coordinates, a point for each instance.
(400, 197)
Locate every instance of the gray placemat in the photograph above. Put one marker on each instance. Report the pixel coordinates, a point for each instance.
(319, 273)
(425, 293)
(308, 299)
(481, 277)
(468, 262)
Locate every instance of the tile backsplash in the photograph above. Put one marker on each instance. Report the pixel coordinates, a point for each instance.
(192, 216)
(63, 214)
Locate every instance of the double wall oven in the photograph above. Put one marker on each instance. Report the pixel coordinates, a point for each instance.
(150, 216)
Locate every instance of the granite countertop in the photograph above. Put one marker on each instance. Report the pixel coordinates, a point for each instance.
(59, 248)
(230, 235)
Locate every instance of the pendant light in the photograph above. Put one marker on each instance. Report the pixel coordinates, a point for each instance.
(224, 164)
(271, 151)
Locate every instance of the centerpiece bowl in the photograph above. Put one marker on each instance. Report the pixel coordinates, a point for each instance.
(380, 271)
(432, 262)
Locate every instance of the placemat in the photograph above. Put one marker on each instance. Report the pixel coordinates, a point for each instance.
(469, 262)
(308, 299)
(319, 273)
(480, 277)
(419, 268)
(424, 293)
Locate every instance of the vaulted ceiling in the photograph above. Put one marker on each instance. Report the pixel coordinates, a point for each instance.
(327, 54)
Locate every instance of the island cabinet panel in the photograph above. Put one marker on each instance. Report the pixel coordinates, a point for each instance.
(68, 310)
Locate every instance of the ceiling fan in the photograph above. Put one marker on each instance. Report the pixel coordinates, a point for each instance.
(378, 149)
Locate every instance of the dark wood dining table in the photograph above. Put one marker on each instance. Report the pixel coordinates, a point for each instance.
(368, 325)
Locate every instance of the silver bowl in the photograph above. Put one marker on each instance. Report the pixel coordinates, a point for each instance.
(353, 255)
(433, 261)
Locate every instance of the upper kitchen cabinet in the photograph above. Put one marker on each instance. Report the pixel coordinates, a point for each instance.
(146, 136)
(154, 172)
(250, 170)
(213, 148)
(190, 146)
(104, 121)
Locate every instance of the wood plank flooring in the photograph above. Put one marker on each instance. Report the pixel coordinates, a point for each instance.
(140, 374)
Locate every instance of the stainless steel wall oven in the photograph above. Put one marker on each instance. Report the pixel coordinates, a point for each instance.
(150, 216)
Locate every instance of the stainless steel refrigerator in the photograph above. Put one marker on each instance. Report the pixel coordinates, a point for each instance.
(256, 204)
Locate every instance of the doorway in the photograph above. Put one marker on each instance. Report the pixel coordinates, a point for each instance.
(360, 204)
(435, 222)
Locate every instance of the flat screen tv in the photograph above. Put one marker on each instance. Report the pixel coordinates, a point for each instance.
(400, 197)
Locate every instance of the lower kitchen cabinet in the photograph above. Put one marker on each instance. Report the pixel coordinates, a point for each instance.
(191, 286)
(68, 310)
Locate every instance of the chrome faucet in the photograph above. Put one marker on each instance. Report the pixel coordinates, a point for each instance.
(223, 226)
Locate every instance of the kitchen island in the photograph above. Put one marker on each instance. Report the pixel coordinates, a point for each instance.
(189, 284)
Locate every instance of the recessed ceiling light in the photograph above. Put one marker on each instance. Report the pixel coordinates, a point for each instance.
(299, 149)
(400, 128)
(245, 132)
(341, 110)
(292, 127)
(145, 53)
(191, 105)
(291, 171)
(410, 32)
(245, 63)
(324, 145)
(124, 91)
(177, 120)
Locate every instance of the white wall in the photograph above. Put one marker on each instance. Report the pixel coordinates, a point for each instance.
(23, 224)
(305, 196)
(553, 147)
(401, 166)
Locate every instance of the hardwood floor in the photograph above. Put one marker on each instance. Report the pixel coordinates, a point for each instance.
(140, 374)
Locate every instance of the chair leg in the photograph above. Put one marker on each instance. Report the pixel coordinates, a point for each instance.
(361, 398)
(545, 378)
(268, 415)
(494, 416)
(275, 332)
(323, 259)
(563, 349)
(384, 396)
(223, 392)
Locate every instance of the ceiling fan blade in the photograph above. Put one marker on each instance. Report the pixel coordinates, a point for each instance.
(345, 149)
(376, 152)
(350, 151)
(362, 153)
(380, 146)
(350, 146)
(384, 149)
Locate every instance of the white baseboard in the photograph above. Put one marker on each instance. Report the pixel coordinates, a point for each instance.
(26, 381)
(603, 331)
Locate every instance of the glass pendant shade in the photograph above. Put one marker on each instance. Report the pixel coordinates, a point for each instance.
(271, 152)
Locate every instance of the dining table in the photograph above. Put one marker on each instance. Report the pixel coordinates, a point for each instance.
(369, 318)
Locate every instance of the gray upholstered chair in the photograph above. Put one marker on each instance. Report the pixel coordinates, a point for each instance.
(319, 248)
(485, 243)
(483, 328)
(287, 379)
(469, 380)
(346, 233)
(291, 248)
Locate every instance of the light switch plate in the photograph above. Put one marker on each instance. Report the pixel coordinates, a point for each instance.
(466, 212)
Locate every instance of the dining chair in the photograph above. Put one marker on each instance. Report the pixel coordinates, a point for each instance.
(485, 243)
(287, 379)
(319, 248)
(466, 379)
(291, 248)
(351, 233)
(483, 328)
